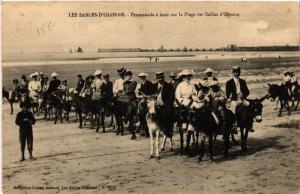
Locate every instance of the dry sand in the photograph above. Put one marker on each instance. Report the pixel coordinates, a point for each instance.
(69, 157)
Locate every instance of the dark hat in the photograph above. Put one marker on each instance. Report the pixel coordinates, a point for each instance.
(159, 74)
(172, 74)
(15, 81)
(23, 77)
(121, 71)
(106, 75)
(236, 69)
(128, 73)
(65, 80)
(46, 77)
(79, 75)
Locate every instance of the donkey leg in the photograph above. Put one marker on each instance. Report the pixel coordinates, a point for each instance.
(211, 146)
(152, 145)
(171, 143)
(163, 143)
(157, 144)
(181, 139)
(202, 148)
(11, 108)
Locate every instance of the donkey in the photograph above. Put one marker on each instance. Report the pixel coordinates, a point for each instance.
(246, 115)
(280, 92)
(156, 123)
(12, 97)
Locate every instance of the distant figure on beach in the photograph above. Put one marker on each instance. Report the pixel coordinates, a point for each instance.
(150, 58)
(25, 120)
(155, 59)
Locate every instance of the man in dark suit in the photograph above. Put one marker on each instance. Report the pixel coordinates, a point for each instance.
(165, 100)
(145, 89)
(54, 83)
(80, 83)
(236, 89)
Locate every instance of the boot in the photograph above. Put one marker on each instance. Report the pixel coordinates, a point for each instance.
(22, 158)
(30, 156)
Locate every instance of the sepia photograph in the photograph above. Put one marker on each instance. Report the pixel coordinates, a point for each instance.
(153, 97)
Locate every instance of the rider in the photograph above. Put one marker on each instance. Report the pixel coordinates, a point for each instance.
(287, 80)
(129, 87)
(24, 84)
(209, 75)
(173, 79)
(186, 92)
(118, 85)
(107, 88)
(42, 79)
(237, 90)
(54, 83)
(165, 101)
(34, 86)
(97, 84)
(64, 90)
(145, 89)
(80, 83)
(16, 90)
(294, 82)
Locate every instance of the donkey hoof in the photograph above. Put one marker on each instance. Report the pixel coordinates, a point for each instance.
(200, 159)
(151, 157)
(162, 149)
(158, 158)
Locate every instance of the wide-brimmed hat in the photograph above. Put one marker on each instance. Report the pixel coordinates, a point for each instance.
(172, 74)
(159, 74)
(35, 74)
(121, 71)
(15, 81)
(286, 72)
(98, 72)
(213, 83)
(65, 80)
(209, 70)
(79, 75)
(187, 72)
(41, 73)
(106, 75)
(54, 74)
(143, 74)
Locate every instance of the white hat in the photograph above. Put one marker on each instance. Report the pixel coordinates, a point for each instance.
(34, 74)
(187, 72)
(98, 72)
(213, 83)
(209, 70)
(143, 74)
(41, 73)
(54, 74)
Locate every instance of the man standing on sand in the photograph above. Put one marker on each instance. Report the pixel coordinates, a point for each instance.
(25, 120)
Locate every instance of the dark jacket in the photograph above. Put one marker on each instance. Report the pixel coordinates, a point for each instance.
(147, 88)
(107, 90)
(80, 85)
(23, 119)
(168, 93)
(53, 86)
(231, 89)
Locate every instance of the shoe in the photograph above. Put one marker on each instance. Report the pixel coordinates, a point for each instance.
(22, 159)
(251, 130)
(133, 137)
(32, 158)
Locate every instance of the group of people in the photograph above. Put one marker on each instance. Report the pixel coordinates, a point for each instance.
(290, 81)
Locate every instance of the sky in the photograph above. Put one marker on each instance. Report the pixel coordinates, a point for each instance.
(46, 26)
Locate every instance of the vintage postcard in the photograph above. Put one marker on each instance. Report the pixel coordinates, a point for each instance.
(150, 97)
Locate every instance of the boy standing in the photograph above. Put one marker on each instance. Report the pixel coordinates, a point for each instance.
(25, 120)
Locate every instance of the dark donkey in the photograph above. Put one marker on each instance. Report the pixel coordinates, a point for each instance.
(205, 124)
(280, 92)
(12, 97)
(245, 116)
